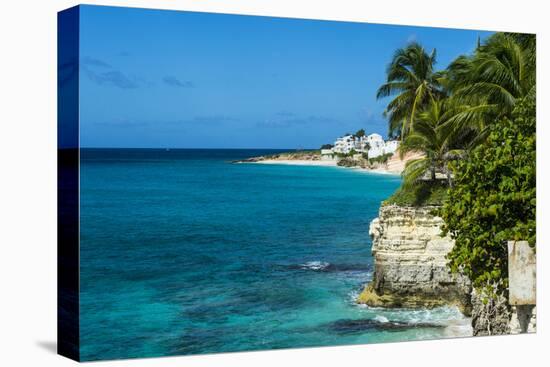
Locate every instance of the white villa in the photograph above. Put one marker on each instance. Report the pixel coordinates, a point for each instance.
(344, 144)
(374, 142)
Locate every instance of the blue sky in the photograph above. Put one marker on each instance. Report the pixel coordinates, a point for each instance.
(152, 78)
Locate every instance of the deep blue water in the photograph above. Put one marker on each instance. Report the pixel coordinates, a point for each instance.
(183, 252)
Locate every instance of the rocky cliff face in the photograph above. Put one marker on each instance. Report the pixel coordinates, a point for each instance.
(410, 263)
(494, 316)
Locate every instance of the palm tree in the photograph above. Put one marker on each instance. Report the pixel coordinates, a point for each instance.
(446, 114)
(440, 144)
(501, 71)
(413, 82)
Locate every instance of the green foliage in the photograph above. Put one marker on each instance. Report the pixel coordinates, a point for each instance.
(499, 72)
(422, 193)
(380, 159)
(489, 82)
(432, 136)
(482, 87)
(475, 123)
(327, 146)
(494, 199)
(360, 133)
(412, 81)
(350, 154)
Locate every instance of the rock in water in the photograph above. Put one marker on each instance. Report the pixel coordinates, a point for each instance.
(410, 264)
(360, 326)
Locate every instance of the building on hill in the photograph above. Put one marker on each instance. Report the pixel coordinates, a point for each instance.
(372, 144)
(344, 144)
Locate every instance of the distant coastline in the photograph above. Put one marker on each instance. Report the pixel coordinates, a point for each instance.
(395, 164)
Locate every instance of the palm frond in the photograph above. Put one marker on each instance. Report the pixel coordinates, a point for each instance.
(414, 170)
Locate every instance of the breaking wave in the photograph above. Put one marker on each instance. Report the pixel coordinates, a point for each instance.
(315, 265)
(329, 267)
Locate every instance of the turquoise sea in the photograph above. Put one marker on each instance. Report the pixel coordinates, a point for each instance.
(184, 252)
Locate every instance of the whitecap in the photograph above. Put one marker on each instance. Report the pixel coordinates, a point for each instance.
(381, 319)
(315, 265)
(352, 296)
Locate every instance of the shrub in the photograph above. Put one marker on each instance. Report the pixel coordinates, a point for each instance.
(381, 158)
(420, 194)
(494, 199)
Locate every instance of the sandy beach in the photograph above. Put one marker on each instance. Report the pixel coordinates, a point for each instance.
(394, 166)
(298, 162)
(303, 162)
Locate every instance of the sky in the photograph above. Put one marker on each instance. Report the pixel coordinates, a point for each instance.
(173, 79)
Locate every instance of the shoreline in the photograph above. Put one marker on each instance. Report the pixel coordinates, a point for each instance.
(297, 162)
(321, 163)
(393, 165)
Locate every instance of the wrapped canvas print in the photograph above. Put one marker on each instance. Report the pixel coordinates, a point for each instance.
(237, 183)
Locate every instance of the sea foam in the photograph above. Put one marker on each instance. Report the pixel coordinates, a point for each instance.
(315, 265)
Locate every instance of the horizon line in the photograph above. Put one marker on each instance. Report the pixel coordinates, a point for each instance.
(175, 148)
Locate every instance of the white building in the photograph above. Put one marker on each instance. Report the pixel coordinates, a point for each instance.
(344, 144)
(391, 146)
(327, 155)
(374, 143)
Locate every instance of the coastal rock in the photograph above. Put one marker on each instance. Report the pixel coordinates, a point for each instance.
(250, 160)
(410, 262)
(495, 316)
(397, 162)
(302, 155)
(350, 327)
(490, 315)
(352, 162)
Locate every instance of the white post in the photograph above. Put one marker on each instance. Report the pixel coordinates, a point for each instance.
(522, 275)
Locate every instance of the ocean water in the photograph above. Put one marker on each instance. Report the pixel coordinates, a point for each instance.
(184, 252)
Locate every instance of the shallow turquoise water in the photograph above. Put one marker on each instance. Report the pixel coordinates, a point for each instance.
(183, 252)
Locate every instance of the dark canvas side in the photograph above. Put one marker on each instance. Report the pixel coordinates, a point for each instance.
(68, 339)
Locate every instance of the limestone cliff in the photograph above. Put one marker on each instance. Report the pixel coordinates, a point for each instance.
(410, 263)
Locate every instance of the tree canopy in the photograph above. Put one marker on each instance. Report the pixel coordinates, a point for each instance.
(360, 133)
(475, 124)
(412, 82)
(494, 198)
